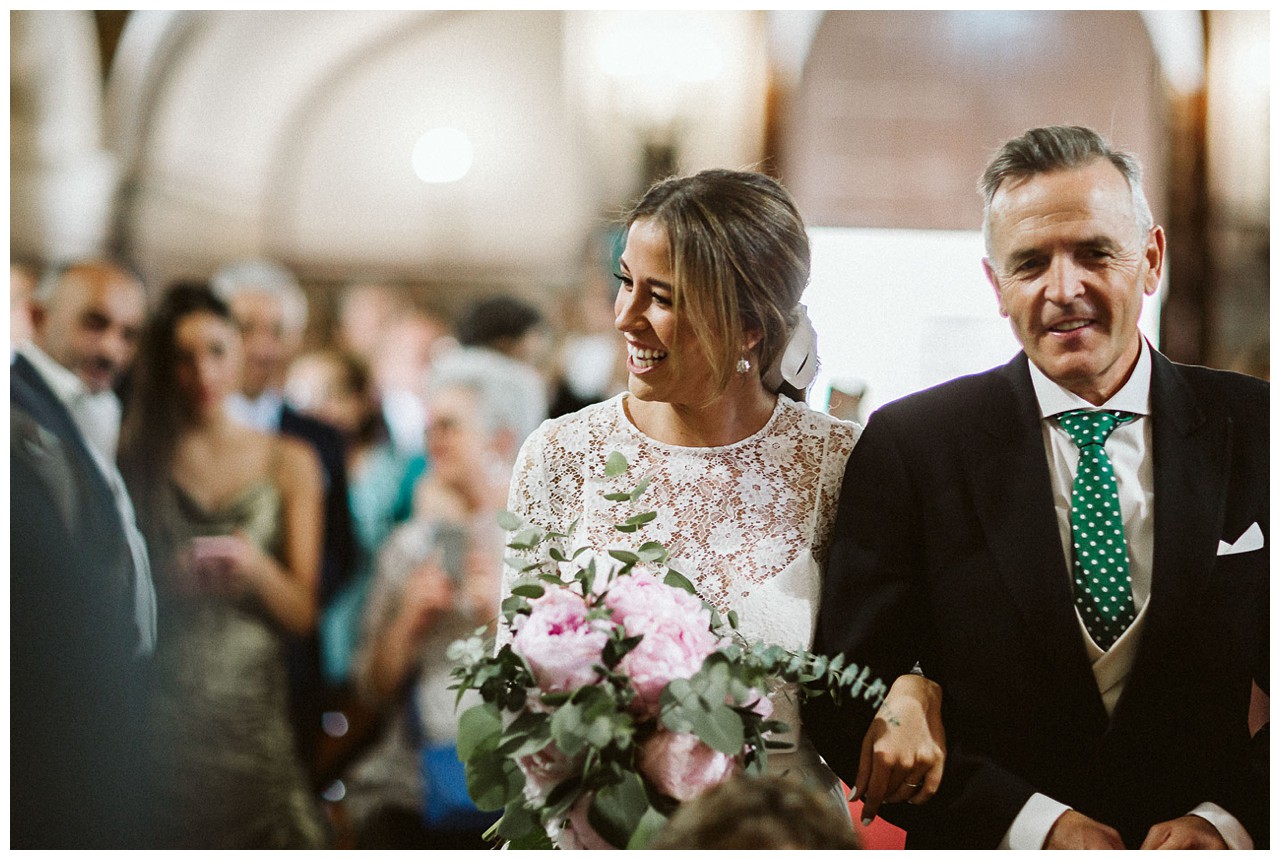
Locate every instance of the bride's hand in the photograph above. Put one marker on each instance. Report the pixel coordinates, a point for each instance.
(904, 751)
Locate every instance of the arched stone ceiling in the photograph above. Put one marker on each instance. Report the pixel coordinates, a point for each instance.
(289, 134)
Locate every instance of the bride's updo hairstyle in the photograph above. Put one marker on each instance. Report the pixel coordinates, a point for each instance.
(740, 260)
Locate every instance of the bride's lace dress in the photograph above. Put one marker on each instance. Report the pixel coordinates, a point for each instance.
(749, 523)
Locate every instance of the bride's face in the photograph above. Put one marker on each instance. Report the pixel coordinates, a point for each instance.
(665, 362)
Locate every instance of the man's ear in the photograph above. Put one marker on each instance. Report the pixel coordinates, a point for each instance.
(1154, 256)
(995, 285)
(39, 315)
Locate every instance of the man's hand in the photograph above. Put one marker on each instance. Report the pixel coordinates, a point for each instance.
(1075, 831)
(1189, 831)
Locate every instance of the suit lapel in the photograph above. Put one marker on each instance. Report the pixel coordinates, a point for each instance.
(29, 390)
(1014, 502)
(1191, 455)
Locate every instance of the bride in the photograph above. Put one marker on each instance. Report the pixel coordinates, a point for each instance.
(744, 476)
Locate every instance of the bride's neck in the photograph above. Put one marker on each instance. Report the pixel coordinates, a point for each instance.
(730, 418)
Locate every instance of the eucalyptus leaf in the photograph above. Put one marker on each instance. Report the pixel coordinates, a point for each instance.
(647, 829)
(615, 465)
(678, 580)
(616, 810)
(567, 729)
(719, 728)
(624, 556)
(526, 538)
(478, 727)
(509, 521)
(493, 781)
(520, 825)
(641, 519)
(640, 488)
(530, 590)
(651, 552)
(618, 497)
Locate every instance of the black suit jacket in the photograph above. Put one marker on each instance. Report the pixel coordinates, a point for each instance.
(339, 553)
(947, 551)
(75, 687)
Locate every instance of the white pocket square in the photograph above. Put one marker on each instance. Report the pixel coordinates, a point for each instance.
(1247, 542)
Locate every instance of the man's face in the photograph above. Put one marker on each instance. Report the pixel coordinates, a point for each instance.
(91, 325)
(1070, 268)
(268, 343)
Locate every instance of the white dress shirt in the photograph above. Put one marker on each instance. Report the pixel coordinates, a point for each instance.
(72, 393)
(261, 413)
(1129, 449)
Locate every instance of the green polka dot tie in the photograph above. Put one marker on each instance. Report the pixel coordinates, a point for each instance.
(1100, 562)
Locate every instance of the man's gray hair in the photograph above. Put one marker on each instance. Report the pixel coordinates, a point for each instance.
(510, 395)
(1059, 147)
(264, 276)
(51, 279)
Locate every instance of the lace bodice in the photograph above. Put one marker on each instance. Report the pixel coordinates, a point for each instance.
(749, 523)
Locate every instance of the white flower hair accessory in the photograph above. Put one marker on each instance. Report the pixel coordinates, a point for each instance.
(798, 363)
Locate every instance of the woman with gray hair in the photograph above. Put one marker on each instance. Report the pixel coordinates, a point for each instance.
(436, 580)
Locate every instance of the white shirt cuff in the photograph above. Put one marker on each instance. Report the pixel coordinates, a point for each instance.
(1233, 832)
(1032, 824)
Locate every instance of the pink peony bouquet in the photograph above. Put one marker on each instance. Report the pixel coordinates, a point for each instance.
(620, 695)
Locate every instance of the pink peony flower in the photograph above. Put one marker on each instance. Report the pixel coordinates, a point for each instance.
(544, 770)
(558, 642)
(643, 594)
(676, 636)
(682, 766)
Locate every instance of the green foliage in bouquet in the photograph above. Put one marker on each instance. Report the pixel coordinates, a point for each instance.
(621, 693)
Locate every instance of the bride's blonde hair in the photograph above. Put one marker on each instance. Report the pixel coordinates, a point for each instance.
(740, 261)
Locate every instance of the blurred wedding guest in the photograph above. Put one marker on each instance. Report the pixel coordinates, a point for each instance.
(232, 517)
(400, 365)
(591, 361)
(271, 310)
(767, 812)
(514, 328)
(509, 325)
(22, 284)
(336, 387)
(86, 317)
(365, 312)
(436, 580)
(81, 605)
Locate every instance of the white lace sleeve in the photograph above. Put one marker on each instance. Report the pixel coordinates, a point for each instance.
(839, 446)
(543, 492)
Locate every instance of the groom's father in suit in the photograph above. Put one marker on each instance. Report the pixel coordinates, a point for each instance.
(82, 607)
(1073, 545)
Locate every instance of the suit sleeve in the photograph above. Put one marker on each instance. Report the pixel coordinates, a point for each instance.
(876, 611)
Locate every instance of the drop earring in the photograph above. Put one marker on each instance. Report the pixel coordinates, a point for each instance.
(743, 365)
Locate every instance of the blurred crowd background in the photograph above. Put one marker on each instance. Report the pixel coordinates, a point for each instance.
(407, 222)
